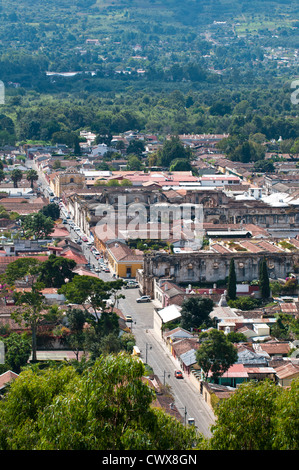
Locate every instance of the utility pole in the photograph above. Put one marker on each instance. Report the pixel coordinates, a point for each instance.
(147, 345)
(165, 372)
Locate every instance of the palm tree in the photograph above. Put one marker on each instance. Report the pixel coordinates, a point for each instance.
(32, 176)
(16, 176)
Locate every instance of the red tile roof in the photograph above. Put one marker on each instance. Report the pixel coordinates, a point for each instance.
(275, 347)
(122, 252)
(59, 233)
(236, 370)
(287, 370)
(7, 377)
(220, 248)
(78, 258)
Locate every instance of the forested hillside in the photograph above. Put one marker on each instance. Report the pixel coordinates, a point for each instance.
(161, 66)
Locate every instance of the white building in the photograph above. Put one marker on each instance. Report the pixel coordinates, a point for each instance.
(170, 313)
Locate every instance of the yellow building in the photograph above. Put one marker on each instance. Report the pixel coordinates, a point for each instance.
(68, 180)
(123, 261)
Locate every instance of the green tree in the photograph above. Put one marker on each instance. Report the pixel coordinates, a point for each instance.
(172, 149)
(235, 337)
(56, 165)
(248, 152)
(22, 268)
(16, 176)
(32, 176)
(180, 164)
(216, 354)
(103, 335)
(56, 270)
(220, 108)
(76, 319)
(98, 344)
(77, 148)
(51, 210)
(294, 150)
(195, 312)
(92, 291)
(17, 351)
(134, 163)
(37, 225)
(246, 420)
(264, 279)
(31, 312)
(135, 147)
(232, 281)
(264, 166)
(125, 183)
(107, 407)
(3, 213)
(286, 418)
(245, 302)
(26, 400)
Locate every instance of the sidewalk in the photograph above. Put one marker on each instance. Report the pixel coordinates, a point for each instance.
(178, 366)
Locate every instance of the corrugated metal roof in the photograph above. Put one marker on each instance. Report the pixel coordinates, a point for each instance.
(189, 357)
(229, 232)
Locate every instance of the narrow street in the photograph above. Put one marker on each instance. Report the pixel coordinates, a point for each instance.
(154, 352)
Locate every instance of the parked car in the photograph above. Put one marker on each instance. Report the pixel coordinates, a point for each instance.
(143, 298)
(106, 270)
(178, 374)
(129, 318)
(131, 285)
(85, 239)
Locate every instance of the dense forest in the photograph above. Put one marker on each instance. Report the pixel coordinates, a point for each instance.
(174, 67)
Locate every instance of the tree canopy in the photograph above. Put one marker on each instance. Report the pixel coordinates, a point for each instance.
(258, 416)
(56, 270)
(195, 312)
(172, 150)
(216, 354)
(37, 225)
(21, 268)
(107, 407)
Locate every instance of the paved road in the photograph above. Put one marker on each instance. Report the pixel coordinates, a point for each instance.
(187, 399)
(154, 351)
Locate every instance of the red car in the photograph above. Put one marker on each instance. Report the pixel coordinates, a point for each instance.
(178, 374)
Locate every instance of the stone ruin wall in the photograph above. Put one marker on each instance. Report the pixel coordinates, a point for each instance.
(199, 267)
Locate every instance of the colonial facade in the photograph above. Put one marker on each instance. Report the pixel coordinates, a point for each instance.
(208, 266)
(68, 180)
